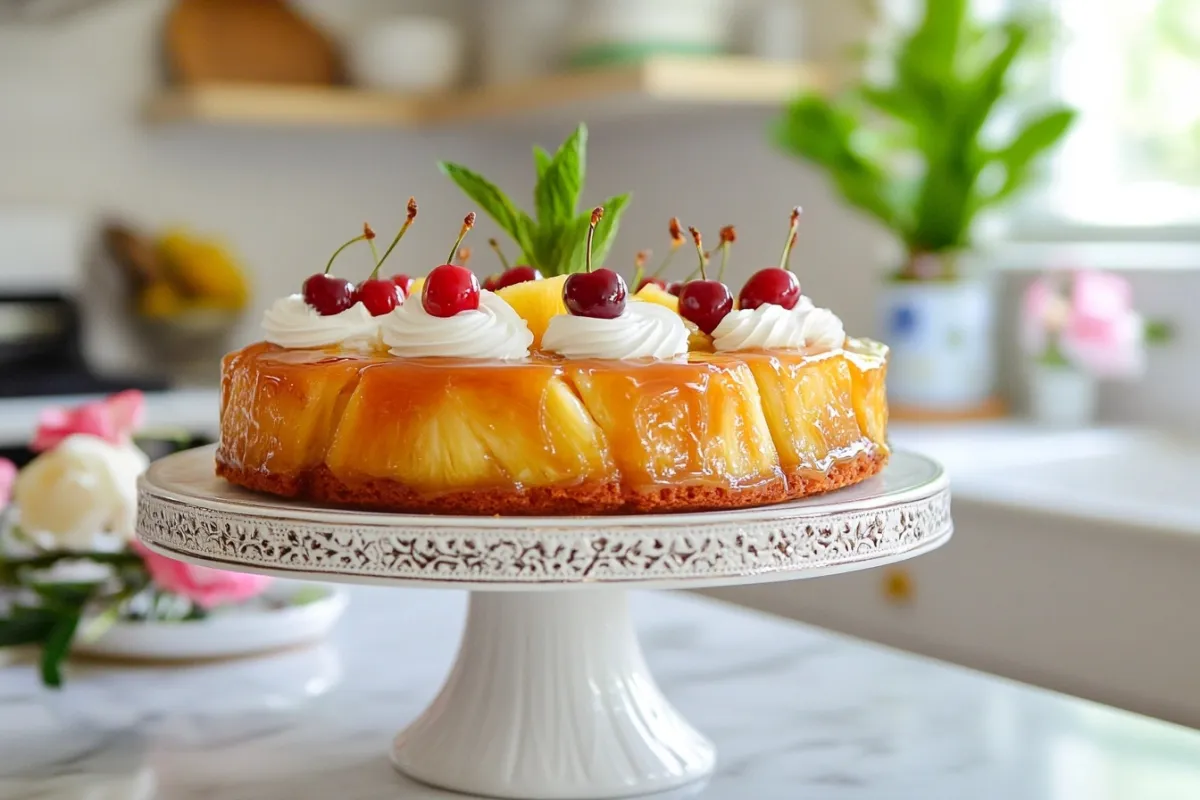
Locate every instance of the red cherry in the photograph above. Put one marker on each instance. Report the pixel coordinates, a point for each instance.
(518, 274)
(404, 282)
(644, 282)
(450, 289)
(380, 296)
(705, 303)
(492, 282)
(328, 295)
(675, 287)
(771, 285)
(599, 294)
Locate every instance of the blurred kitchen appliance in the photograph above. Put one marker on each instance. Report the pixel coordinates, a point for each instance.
(41, 332)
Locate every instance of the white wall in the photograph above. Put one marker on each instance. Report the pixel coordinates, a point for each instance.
(70, 136)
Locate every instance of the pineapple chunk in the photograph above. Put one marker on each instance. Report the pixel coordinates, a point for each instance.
(281, 413)
(868, 374)
(652, 294)
(678, 422)
(536, 302)
(432, 426)
(809, 407)
(417, 285)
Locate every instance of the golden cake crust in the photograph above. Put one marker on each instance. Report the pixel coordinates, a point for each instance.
(322, 486)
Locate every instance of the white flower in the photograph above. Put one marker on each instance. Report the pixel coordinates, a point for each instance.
(83, 487)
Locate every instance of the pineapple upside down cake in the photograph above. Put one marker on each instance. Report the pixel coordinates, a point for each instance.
(554, 396)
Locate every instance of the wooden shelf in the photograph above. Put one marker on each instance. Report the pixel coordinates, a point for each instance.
(649, 87)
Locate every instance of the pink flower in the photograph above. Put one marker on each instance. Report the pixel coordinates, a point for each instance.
(1090, 316)
(204, 586)
(113, 419)
(8, 475)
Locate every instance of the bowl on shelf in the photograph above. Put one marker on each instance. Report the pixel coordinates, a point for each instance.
(406, 54)
(623, 31)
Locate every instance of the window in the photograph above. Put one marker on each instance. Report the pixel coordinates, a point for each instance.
(1132, 68)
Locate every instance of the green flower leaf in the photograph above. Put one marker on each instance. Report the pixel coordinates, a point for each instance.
(26, 625)
(57, 646)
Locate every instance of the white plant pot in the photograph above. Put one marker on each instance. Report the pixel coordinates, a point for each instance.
(1062, 397)
(941, 336)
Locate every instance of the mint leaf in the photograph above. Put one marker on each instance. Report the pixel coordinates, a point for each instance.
(493, 201)
(573, 239)
(541, 160)
(556, 195)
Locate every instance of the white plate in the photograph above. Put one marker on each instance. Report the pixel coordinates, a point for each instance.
(226, 633)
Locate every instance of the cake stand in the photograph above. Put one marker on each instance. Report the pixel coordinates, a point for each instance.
(549, 696)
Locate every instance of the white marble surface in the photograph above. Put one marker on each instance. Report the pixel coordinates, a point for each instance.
(796, 713)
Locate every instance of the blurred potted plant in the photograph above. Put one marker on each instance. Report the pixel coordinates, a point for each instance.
(916, 152)
(1078, 328)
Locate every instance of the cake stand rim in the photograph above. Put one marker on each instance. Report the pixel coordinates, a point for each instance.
(816, 506)
(814, 538)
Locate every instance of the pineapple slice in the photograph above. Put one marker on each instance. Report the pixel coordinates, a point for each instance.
(677, 422)
(652, 294)
(279, 410)
(809, 407)
(868, 375)
(536, 302)
(436, 425)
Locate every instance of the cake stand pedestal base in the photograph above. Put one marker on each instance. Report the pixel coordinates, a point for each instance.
(550, 698)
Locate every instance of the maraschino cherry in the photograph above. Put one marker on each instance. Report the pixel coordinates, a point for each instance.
(704, 302)
(450, 288)
(401, 279)
(599, 293)
(777, 285)
(327, 294)
(511, 275)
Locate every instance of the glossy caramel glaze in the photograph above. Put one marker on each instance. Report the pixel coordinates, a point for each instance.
(548, 436)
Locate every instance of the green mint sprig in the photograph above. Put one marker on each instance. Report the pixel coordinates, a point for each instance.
(555, 241)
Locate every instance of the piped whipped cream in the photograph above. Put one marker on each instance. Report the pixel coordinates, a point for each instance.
(823, 328)
(767, 327)
(292, 323)
(644, 330)
(494, 330)
(773, 327)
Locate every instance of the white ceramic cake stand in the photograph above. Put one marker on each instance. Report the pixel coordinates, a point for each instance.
(550, 696)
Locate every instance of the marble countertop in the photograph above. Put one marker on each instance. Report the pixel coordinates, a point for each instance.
(795, 712)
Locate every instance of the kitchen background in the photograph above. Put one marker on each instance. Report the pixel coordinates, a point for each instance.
(90, 134)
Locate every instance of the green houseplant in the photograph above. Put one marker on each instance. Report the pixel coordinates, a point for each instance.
(917, 153)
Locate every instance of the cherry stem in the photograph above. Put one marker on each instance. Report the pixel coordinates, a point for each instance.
(369, 235)
(338, 252)
(468, 223)
(785, 258)
(728, 237)
(412, 214)
(639, 264)
(499, 253)
(597, 215)
(464, 255)
(699, 249)
(677, 240)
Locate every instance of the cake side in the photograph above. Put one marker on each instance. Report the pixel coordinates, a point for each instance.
(539, 437)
